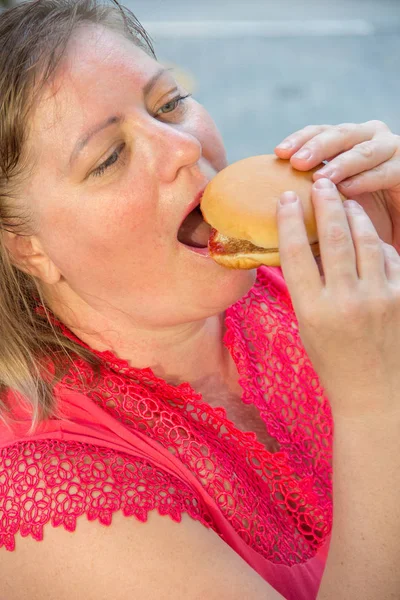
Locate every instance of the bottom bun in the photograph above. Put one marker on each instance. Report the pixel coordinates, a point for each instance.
(269, 258)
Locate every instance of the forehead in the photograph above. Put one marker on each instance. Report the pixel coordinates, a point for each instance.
(101, 70)
(95, 47)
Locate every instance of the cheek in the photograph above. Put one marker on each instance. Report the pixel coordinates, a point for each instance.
(98, 230)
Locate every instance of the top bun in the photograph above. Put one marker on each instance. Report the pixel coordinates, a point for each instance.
(241, 200)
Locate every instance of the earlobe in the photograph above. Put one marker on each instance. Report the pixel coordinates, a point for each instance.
(26, 253)
(40, 266)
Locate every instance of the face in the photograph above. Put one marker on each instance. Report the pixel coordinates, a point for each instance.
(121, 158)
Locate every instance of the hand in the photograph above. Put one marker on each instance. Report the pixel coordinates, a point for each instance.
(349, 321)
(364, 161)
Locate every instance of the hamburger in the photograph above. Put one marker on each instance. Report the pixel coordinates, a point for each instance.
(240, 204)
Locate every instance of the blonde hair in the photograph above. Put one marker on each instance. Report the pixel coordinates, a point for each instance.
(33, 38)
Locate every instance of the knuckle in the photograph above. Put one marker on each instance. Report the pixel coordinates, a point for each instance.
(361, 306)
(370, 240)
(314, 129)
(351, 308)
(345, 128)
(381, 310)
(336, 235)
(387, 137)
(378, 124)
(365, 150)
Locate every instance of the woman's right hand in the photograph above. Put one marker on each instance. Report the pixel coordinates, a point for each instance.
(349, 319)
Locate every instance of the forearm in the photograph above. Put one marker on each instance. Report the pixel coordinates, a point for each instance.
(364, 556)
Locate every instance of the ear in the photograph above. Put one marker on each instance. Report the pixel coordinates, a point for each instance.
(27, 254)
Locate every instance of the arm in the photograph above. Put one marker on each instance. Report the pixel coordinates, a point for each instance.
(349, 322)
(157, 559)
(364, 556)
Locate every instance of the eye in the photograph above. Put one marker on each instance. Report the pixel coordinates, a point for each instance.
(172, 105)
(111, 160)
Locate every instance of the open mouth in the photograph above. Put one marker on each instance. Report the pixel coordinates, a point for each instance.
(194, 231)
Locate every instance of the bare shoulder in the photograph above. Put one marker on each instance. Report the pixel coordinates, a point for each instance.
(129, 559)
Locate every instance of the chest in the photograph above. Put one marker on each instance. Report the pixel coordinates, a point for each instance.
(245, 417)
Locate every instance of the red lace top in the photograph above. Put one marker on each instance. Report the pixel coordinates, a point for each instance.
(134, 443)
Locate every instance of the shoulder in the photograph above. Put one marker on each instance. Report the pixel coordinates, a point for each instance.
(165, 552)
(156, 559)
(53, 482)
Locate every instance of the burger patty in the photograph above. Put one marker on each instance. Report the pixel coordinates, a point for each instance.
(222, 244)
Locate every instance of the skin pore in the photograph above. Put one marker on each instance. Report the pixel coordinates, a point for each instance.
(105, 213)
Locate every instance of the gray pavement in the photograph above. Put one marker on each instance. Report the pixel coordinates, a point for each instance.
(262, 84)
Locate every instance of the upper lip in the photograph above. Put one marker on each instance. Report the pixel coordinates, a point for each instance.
(194, 204)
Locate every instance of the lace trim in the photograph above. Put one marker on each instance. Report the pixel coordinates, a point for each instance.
(280, 503)
(57, 482)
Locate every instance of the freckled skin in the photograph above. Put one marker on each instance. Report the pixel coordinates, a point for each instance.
(113, 238)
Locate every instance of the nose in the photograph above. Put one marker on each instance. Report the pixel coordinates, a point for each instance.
(171, 149)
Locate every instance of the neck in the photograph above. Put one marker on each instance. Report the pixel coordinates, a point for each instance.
(190, 352)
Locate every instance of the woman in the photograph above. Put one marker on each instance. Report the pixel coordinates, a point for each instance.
(139, 375)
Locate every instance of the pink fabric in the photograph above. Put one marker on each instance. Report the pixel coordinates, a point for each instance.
(132, 442)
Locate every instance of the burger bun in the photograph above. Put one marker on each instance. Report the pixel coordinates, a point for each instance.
(240, 203)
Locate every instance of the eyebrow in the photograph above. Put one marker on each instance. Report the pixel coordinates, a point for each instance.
(110, 121)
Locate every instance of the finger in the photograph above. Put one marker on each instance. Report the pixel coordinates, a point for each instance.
(392, 263)
(367, 244)
(335, 239)
(383, 177)
(297, 260)
(296, 140)
(360, 158)
(333, 141)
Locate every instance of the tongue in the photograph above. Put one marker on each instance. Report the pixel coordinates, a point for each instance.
(194, 231)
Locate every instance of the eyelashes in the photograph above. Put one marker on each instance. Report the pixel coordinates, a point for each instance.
(169, 108)
(175, 103)
(111, 160)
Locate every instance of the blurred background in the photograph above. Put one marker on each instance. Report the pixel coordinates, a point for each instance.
(265, 68)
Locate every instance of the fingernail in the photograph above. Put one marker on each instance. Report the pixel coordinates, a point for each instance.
(304, 154)
(353, 205)
(288, 198)
(285, 145)
(346, 183)
(323, 184)
(326, 172)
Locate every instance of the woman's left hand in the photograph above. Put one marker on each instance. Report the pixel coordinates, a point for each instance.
(364, 163)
